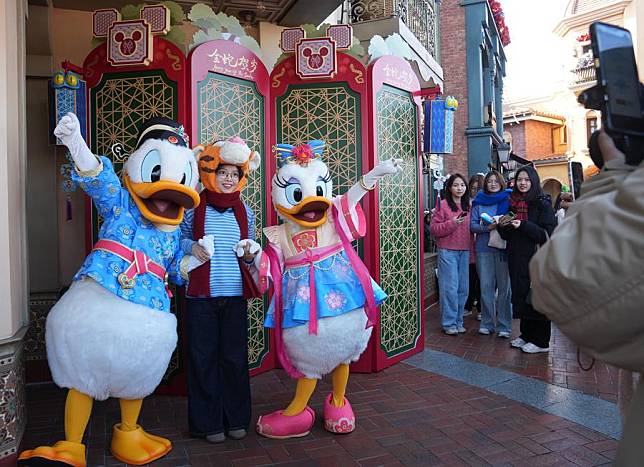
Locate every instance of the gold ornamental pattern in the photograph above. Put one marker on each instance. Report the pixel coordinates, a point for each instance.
(332, 114)
(399, 244)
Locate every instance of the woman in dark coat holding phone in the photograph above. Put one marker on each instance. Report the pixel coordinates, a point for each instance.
(532, 224)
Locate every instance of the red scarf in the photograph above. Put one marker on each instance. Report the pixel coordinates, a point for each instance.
(519, 206)
(200, 277)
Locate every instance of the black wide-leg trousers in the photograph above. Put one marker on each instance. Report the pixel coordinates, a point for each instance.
(218, 381)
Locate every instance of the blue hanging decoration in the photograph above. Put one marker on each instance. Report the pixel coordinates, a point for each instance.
(438, 135)
(67, 93)
(68, 185)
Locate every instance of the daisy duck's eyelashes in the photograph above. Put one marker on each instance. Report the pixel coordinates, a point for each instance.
(280, 182)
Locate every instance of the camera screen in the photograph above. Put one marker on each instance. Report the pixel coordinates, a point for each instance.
(617, 63)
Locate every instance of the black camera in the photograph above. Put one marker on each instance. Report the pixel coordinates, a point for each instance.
(618, 94)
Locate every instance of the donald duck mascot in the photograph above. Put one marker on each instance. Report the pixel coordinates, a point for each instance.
(111, 334)
(324, 300)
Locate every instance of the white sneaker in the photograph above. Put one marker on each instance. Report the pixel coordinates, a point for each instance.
(461, 329)
(451, 331)
(504, 334)
(485, 331)
(518, 342)
(467, 312)
(531, 348)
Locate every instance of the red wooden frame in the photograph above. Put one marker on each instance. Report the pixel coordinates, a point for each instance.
(167, 57)
(395, 72)
(230, 59)
(353, 73)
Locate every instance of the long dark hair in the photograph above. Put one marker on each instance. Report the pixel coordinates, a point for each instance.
(535, 190)
(465, 199)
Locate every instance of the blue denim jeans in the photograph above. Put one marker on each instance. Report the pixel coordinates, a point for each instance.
(453, 284)
(496, 312)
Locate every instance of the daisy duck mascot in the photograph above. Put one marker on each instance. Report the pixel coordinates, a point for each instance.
(324, 300)
(111, 334)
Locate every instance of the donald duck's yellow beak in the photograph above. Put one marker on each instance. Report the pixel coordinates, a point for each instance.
(309, 213)
(162, 202)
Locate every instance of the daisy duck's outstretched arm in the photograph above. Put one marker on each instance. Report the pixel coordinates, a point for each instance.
(368, 181)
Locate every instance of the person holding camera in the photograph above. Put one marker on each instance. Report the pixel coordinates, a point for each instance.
(533, 222)
(589, 278)
(450, 227)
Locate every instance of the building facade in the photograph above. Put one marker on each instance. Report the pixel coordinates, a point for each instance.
(474, 61)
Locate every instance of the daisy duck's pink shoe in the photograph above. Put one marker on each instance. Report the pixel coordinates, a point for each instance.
(338, 419)
(279, 426)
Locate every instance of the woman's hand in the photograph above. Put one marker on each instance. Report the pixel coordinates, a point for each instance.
(492, 226)
(459, 220)
(515, 223)
(566, 200)
(200, 252)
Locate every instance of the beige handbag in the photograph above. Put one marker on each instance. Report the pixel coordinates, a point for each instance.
(496, 241)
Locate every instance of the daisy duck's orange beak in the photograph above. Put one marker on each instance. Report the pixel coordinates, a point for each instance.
(311, 212)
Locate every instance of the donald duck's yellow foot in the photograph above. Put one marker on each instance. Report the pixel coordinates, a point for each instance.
(137, 447)
(63, 453)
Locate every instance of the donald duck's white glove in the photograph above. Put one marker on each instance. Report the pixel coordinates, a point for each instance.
(247, 249)
(207, 242)
(69, 132)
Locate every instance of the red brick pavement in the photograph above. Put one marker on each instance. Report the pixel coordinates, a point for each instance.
(405, 416)
(558, 367)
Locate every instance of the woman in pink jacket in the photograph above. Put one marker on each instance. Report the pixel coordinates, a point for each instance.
(451, 228)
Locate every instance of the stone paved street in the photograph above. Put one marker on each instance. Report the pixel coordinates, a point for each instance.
(406, 416)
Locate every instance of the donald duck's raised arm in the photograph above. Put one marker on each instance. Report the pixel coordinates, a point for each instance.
(68, 130)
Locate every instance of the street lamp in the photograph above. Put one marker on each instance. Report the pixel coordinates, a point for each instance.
(503, 151)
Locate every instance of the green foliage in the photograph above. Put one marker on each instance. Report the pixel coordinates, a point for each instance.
(177, 16)
(200, 14)
(251, 44)
(231, 24)
(96, 41)
(177, 36)
(357, 50)
(204, 36)
(131, 11)
(312, 31)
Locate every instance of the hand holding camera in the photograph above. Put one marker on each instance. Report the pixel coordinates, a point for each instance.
(618, 95)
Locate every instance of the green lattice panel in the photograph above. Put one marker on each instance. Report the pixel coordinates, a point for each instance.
(120, 104)
(229, 107)
(400, 253)
(330, 112)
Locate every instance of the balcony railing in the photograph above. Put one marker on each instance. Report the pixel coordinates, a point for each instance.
(583, 75)
(420, 16)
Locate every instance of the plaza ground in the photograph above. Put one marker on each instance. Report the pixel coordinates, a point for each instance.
(467, 400)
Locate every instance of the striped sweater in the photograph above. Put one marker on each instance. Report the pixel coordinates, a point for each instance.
(225, 278)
